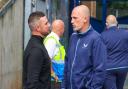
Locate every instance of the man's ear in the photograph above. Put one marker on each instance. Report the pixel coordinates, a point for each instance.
(37, 27)
(85, 19)
(106, 24)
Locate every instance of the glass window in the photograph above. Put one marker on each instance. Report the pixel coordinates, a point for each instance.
(91, 5)
(59, 10)
(117, 8)
(99, 8)
(95, 8)
(4, 5)
(3, 2)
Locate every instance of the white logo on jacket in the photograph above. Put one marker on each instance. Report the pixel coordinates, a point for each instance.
(85, 45)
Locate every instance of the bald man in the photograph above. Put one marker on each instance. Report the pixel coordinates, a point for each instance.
(84, 64)
(116, 41)
(56, 52)
(111, 21)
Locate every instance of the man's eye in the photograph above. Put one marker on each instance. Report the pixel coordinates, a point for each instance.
(46, 23)
(74, 18)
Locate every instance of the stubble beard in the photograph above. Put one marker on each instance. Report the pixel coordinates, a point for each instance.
(76, 29)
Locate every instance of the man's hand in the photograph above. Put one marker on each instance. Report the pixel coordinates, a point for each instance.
(54, 76)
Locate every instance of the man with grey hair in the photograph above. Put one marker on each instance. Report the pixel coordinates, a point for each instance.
(84, 64)
(116, 41)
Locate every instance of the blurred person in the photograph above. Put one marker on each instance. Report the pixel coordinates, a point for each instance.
(56, 52)
(84, 64)
(116, 41)
(36, 63)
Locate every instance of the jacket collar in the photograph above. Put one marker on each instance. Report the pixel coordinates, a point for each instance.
(113, 28)
(86, 32)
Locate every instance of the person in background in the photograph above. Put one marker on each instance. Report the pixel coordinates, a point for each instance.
(56, 52)
(84, 63)
(36, 63)
(116, 41)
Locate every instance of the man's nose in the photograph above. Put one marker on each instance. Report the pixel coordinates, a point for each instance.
(72, 21)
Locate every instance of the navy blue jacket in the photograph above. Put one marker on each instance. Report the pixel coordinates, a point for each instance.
(84, 65)
(116, 41)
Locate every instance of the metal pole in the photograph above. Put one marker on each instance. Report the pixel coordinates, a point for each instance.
(104, 12)
(74, 3)
(77, 2)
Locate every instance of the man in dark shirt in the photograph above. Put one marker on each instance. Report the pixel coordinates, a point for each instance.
(116, 41)
(36, 63)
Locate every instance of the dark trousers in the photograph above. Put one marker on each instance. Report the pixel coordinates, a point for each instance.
(115, 80)
(55, 85)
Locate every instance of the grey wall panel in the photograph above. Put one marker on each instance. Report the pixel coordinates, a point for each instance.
(11, 47)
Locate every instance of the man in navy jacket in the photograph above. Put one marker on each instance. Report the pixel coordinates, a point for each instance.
(116, 41)
(84, 64)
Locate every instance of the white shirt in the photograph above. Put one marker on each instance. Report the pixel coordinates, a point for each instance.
(51, 45)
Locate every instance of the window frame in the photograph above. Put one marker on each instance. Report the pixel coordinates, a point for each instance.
(6, 6)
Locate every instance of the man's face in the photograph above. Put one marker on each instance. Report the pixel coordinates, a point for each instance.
(44, 25)
(77, 20)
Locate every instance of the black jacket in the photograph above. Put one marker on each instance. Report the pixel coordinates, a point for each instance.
(36, 65)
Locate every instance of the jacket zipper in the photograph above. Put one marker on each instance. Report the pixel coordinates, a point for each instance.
(74, 62)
